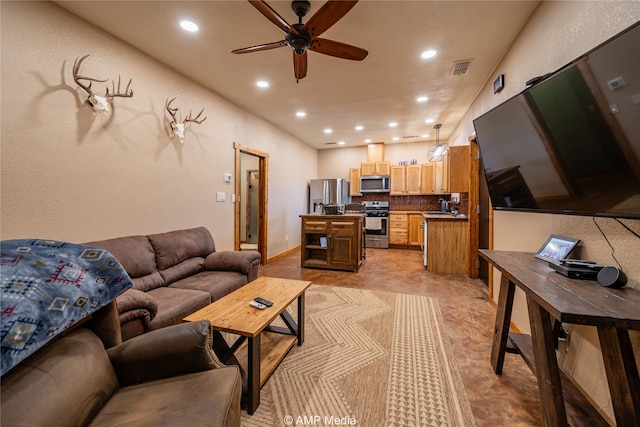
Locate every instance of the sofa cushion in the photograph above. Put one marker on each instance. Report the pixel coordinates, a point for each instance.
(172, 402)
(176, 304)
(136, 255)
(174, 247)
(68, 382)
(186, 268)
(215, 283)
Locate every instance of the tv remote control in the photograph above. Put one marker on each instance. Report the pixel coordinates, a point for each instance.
(263, 301)
(257, 305)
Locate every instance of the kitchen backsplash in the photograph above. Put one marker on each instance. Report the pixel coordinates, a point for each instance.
(415, 203)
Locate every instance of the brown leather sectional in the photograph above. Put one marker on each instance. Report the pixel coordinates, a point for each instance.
(175, 274)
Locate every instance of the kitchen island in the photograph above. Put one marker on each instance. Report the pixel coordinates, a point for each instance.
(446, 243)
(334, 242)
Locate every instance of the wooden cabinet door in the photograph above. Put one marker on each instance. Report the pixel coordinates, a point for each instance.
(397, 186)
(354, 182)
(444, 174)
(427, 178)
(412, 179)
(383, 168)
(459, 164)
(416, 236)
(367, 168)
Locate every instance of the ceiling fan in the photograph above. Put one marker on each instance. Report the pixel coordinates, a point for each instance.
(302, 37)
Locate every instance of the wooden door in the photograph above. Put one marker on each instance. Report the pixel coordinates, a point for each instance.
(412, 179)
(428, 178)
(397, 180)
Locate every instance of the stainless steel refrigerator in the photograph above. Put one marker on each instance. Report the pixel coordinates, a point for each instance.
(324, 192)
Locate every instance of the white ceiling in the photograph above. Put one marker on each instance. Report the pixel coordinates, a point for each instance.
(337, 93)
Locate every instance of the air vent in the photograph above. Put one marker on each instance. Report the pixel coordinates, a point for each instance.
(331, 143)
(411, 136)
(460, 67)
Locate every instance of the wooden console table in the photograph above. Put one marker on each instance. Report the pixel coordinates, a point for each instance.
(553, 299)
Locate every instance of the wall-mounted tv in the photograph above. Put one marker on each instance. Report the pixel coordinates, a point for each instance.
(570, 142)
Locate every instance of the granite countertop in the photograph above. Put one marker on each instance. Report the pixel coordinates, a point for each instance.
(446, 216)
(433, 215)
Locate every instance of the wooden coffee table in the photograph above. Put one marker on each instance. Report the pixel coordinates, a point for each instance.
(233, 314)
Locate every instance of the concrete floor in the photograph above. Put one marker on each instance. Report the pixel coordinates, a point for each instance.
(510, 399)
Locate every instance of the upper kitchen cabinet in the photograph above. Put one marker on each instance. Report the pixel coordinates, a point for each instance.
(459, 169)
(413, 179)
(427, 178)
(375, 168)
(354, 182)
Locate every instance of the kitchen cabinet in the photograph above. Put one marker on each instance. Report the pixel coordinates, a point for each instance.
(447, 246)
(444, 175)
(427, 178)
(396, 186)
(354, 182)
(333, 242)
(398, 228)
(459, 169)
(375, 168)
(415, 235)
(408, 179)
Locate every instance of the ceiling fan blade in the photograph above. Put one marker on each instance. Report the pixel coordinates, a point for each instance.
(260, 47)
(327, 15)
(300, 65)
(339, 50)
(273, 16)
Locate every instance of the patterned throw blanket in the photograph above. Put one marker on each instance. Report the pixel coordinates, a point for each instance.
(48, 286)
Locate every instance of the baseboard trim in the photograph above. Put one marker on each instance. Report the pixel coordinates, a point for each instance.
(283, 254)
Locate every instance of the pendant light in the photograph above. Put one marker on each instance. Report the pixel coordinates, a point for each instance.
(438, 151)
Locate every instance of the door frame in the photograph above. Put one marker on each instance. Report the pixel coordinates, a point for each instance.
(263, 204)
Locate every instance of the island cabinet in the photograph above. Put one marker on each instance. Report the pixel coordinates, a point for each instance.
(334, 242)
(448, 245)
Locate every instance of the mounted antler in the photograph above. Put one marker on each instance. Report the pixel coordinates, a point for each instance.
(99, 103)
(178, 127)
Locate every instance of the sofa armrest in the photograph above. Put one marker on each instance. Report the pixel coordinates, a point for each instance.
(240, 261)
(133, 303)
(167, 352)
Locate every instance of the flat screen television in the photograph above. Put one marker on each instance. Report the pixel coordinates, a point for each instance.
(570, 142)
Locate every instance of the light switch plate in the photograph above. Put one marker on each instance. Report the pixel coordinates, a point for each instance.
(220, 196)
(227, 177)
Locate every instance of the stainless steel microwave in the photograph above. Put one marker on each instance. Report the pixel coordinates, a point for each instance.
(375, 184)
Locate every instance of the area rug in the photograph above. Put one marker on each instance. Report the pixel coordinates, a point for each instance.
(369, 359)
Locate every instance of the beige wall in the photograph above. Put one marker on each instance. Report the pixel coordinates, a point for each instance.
(72, 175)
(557, 33)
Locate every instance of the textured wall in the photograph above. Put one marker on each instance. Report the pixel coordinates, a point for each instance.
(557, 33)
(72, 175)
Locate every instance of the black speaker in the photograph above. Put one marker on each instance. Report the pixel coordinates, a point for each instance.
(612, 277)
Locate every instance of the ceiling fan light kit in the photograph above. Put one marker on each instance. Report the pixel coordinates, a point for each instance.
(303, 37)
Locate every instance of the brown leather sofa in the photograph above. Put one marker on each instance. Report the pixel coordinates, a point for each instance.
(167, 377)
(175, 274)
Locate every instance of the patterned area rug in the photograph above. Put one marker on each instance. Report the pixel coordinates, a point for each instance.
(369, 359)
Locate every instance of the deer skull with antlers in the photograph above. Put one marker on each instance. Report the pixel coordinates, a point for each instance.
(177, 127)
(99, 103)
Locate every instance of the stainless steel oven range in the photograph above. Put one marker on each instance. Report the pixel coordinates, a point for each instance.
(377, 224)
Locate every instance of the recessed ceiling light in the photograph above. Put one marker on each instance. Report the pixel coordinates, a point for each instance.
(359, 127)
(327, 130)
(393, 124)
(396, 138)
(422, 99)
(426, 135)
(368, 140)
(189, 26)
(301, 114)
(262, 84)
(340, 142)
(428, 54)
(429, 121)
